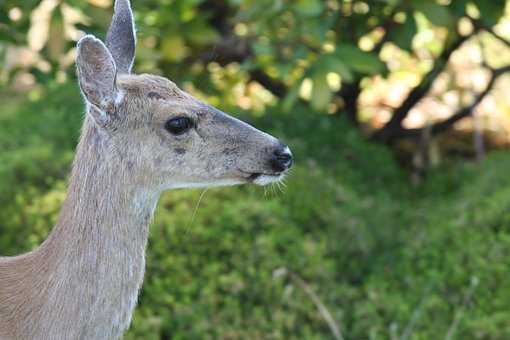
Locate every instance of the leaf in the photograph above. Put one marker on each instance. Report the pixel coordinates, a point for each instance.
(435, 13)
(491, 11)
(321, 93)
(392, 2)
(261, 47)
(458, 7)
(291, 97)
(334, 64)
(56, 41)
(358, 60)
(201, 34)
(8, 34)
(173, 48)
(403, 35)
(309, 8)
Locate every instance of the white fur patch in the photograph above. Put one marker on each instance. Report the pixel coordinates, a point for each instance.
(119, 98)
(217, 183)
(267, 179)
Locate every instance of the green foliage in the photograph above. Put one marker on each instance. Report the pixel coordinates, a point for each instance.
(385, 258)
(359, 61)
(490, 11)
(37, 140)
(285, 40)
(404, 33)
(437, 14)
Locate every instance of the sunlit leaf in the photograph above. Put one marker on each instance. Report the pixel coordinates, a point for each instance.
(333, 63)
(173, 48)
(358, 60)
(56, 41)
(435, 13)
(309, 8)
(101, 3)
(321, 93)
(291, 97)
(262, 47)
(201, 34)
(392, 2)
(403, 34)
(458, 7)
(491, 11)
(38, 33)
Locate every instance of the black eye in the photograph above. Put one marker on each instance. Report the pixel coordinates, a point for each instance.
(178, 125)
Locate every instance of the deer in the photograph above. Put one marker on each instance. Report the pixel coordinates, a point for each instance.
(141, 135)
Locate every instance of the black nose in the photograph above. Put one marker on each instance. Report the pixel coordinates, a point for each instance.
(282, 159)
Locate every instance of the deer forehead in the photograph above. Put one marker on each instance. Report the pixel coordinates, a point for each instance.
(151, 86)
(159, 95)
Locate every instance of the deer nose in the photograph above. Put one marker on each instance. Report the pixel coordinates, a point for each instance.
(282, 158)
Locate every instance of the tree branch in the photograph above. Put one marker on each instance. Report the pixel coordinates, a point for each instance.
(233, 49)
(350, 93)
(276, 87)
(479, 25)
(497, 36)
(386, 133)
(460, 114)
(388, 24)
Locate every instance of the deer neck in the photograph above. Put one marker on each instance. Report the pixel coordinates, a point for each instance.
(98, 245)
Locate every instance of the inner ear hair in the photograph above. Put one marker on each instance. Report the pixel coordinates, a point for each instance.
(97, 77)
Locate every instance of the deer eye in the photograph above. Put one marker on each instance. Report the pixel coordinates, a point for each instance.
(178, 125)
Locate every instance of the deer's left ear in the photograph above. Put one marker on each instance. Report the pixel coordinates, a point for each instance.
(96, 76)
(121, 38)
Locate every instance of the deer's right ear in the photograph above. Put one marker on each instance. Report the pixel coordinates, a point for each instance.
(121, 37)
(96, 76)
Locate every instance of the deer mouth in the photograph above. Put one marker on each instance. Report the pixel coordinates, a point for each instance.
(261, 178)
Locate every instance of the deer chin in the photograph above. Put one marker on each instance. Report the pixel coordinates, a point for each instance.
(268, 179)
(265, 179)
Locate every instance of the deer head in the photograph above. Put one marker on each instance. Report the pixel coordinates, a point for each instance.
(168, 138)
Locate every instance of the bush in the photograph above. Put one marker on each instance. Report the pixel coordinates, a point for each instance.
(387, 259)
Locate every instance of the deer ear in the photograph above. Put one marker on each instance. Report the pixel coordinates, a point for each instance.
(121, 39)
(96, 76)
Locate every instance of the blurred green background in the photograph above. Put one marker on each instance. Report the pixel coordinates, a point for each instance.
(394, 223)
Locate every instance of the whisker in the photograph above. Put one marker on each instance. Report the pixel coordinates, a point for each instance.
(271, 189)
(190, 223)
(281, 186)
(282, 182)
(275, 188)
(278, 185)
